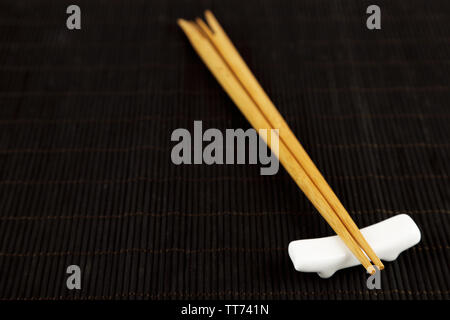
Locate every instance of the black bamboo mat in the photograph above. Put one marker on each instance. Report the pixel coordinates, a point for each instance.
(85, 171)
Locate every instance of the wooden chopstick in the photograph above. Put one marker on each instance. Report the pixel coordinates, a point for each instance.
(229, 53)
(248, 107)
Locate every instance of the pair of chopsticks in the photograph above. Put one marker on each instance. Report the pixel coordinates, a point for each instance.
(225, 63)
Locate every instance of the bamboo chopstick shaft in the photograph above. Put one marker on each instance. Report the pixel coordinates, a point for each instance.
(234, 60)
(240, 97)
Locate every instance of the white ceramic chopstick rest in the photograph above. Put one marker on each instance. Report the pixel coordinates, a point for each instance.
(327, 255)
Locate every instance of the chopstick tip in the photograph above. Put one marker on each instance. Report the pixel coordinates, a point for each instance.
(204, 27)
(181, 22)
(212, 22)
(370, 269)
(187, 26)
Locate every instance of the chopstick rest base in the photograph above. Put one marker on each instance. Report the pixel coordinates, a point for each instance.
(327, 255)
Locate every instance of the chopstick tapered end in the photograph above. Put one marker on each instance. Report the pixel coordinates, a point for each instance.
(209, 15)
(191, 30)
(212, 22)
(204, 27)
(371, 269)
(182, 23)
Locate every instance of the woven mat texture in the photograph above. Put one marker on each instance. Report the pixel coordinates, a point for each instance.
(86, 176)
